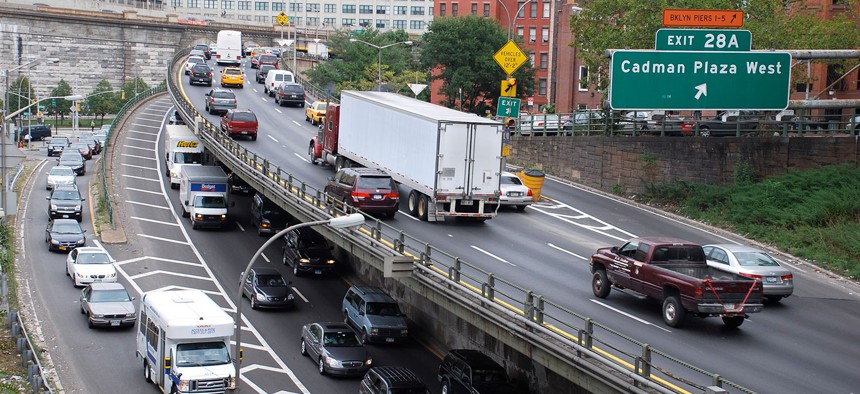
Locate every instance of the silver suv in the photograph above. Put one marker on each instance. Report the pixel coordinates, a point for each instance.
(375, 315)
(220, 100)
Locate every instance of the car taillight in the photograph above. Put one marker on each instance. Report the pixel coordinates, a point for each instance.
(787, 277)
(751, 276)
(360, 195)
(393, 196)
(530, 193)
(235, 102)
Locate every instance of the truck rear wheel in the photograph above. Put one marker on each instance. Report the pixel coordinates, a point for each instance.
(423, 203)
(311, 153)
(412, 203)
(600, 284)
(673, 311)
(147, 372)
(733, 321)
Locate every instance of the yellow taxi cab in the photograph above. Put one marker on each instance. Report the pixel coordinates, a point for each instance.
(232, 76)
(315, 113)
(260, 51)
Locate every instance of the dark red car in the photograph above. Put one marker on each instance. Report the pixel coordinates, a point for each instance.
(240, 122)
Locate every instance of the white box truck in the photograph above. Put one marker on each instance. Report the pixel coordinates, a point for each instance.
(181, 148)
(203, 192)
(451, 160)
(318, 50)
(229, 47)
(183, 342)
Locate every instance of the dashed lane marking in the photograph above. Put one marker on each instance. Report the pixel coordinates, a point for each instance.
(163, 239)
(492, 255)
(139, 157)
(148, 205)
(139, 167)
(155, 221)
(143, 191)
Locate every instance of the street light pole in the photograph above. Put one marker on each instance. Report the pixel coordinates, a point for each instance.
(346, 221)
(379, 57)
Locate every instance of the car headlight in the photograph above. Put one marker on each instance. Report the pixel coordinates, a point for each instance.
(77, 207)
(81, 241)
(198, 217)
(112, 275)
(290, 297)
(98, 316)
(304, 261)
(174, 175)
(369, 361)
(332, 362)
(260, 297)
(374, 331)
(183, 385)
(223, 217)
(55, 242)
(404, 332)
(129, 315)
(80, 275)
(53, 207)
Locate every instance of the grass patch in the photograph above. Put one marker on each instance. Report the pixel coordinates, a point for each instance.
(812, 214)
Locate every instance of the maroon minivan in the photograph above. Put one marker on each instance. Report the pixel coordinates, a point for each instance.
(367, 189)
(239, 123)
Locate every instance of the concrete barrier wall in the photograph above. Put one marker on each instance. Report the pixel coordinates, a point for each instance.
(628, 163)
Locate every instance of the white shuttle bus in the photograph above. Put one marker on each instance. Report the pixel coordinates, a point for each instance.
(229, 47)
(183, 342)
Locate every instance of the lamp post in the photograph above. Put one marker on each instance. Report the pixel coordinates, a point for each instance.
(6, 116)
(347, 221)
(510, 22)
(379, 56)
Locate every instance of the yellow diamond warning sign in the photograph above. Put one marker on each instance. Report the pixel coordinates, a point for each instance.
(282, 19)
(510, 57)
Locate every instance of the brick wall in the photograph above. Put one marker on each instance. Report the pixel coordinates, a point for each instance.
(608, 163)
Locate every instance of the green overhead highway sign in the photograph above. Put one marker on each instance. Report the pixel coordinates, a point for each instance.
(677, 80)
(703, 40)
(508, 107)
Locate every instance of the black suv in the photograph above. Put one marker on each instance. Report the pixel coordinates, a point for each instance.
(290, 93)
(201, 73)
(205, 48)
(37, 133)
(58, 145)
(367, 189)
(65, 202)
(307, 251)
(392, 380)
(267, 216)
(263, 71)
(473, 372)
(73, 158)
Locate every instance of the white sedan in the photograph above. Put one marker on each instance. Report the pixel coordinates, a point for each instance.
(192, 61)
(59, 176)
(90, 265)
(777, 281)
(513, 192)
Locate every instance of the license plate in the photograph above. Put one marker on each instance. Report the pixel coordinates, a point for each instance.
(62, 248)
(467, 202)
(770, 279)
(65, 216)
(730, 307)
(318, 272)
(377, 196)
(515, 194)
(114, 323)
(389, 339)
(244, 132)
(293, 96)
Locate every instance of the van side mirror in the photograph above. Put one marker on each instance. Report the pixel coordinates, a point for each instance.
(47, 197)
(614, 249)
(186, 202)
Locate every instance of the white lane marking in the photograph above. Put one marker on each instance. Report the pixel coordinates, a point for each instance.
(411, 217)
(264, 99)
(263, 255)
(301, 157)
(492, 255)
(163, 272)
(279, 110)
(154, 221)
(271, 138)
(255, 90)
(140, 178)
(142, 191)
(566, 251)
(140, 139)
(297, 123)
(450, 235)
(628, 315)
(302, 296)
(240, 226)
(172, 261)
(137, 147)
(139, 167)
(163, 239)
(139, 157)
(147, 205)
(582, 215)
(146, 126)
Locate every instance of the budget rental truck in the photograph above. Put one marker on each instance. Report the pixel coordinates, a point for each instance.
(450, 160)
(203, 192)
(183, 342)
(181, 148)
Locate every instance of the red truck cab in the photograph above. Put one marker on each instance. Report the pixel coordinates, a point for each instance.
(325, 142)
(675, 271)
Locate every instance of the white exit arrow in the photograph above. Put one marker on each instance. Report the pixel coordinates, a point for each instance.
(701, 90)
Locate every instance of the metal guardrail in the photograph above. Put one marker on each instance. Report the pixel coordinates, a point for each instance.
(29, 356)
(643, 367)
(129, 105)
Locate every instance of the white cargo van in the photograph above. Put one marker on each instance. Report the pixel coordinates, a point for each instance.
(274, 79)
(181, 148)
(203, 193)
(229, 47)
(183, 342)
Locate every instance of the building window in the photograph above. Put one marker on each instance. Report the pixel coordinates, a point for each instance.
(400, 10)
(263, 18)
(522, 13)
(582, 107)
(544, 60)
(227, 4)
(365, 22)
(330, 8)
(277, 6)
(381, 24)
(583, 79)
(430, 10)
(244, 18)
(329, 21)
(546, 9)
(176, 3)
(474, 8)
(261, 6)
(834, 72)
(542, 87)
(381, 9)
(193, 3)
(442, 9)
(486, 10)
(348, 22)
(244, 5)
(416, 25)
(520, 32)
(544, 35)
(418, 10)
(534, 13)
(313, 21)
(312, 7)
(349, 8)
(365, 9)
(400, 24)
(532, 59)
(454, 9)
(210, 3)
(532, 34)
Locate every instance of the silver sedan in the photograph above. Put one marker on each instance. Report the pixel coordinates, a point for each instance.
(60, 175)
(777, 281)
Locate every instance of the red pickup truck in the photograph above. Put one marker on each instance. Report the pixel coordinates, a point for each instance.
(675, 271)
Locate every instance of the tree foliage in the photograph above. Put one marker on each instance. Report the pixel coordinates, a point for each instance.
(775, 24)
(460, 50)
(103, 100)
(132, 88)
(20, 93)
(356, 64)
(60, 106)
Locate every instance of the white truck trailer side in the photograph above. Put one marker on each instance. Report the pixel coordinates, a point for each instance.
(183, 342)
(181, 148)
(450, 160)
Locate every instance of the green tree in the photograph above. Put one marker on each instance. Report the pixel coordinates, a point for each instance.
(103, 100)
(20, 94)
(460, 51)
(133, 88)
(775, 24)
(356, 64)
(60, 107)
